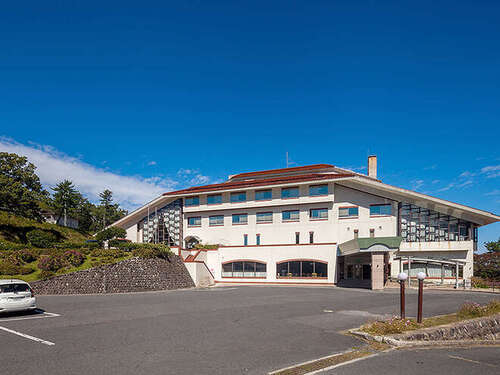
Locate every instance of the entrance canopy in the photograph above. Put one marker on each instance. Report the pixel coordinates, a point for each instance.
(369, 245)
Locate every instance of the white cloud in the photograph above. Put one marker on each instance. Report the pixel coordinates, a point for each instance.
(491, 171)
(417, 184)
(193, 176)
(54, 166)
(152, 162)
(493, 192)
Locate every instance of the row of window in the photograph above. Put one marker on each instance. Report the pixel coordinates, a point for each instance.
(291, 269)
(290, 216)
(260, 195)
(261, 217)
(258, 237)
(375, 210)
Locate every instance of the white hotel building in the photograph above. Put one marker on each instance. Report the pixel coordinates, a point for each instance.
(315, 224)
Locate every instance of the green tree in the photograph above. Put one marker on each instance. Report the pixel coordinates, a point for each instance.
(108, 212)
(65, 200)
(86, 215)
(20, 187)
(493, 246)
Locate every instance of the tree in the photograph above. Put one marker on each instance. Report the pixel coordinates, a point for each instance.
(493, 246)
(107, 212)
(65, 200)
(20, 188)
(86, 215)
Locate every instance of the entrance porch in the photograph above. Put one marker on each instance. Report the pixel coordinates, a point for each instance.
(364, 262)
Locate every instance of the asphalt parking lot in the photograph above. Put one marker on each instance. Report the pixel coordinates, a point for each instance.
(224, 330)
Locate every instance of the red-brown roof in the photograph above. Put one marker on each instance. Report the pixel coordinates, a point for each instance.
(283, 170)
(261, 182)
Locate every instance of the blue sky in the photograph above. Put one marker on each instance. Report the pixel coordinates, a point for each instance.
(159, 95)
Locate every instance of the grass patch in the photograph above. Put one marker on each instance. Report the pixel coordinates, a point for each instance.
(14, 229)
(468, 310)
(89, 262)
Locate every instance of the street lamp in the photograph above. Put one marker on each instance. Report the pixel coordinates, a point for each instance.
(402, 278)
(420, 277)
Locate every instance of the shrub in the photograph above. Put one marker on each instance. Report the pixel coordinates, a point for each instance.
(40, 238)
(44, 275)
(74, 257)
(107, 253)
(205, 246)
(391, 326)
(7, 245)
(27, 256)
(9, 268)
(478, 283)
(51, 263)
(471, 310)
(152, 251)
(117, 242)
(110, 233)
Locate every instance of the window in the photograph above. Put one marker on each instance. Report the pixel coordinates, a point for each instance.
(214, 199)
(311, 237)
(316, 190)
(245, 240)
(418, 224)
(240, 218)
(257, 239)
(302, 268)
(292, 192)
(297, 238)
(238, 197)
(290, 215)
(318, 214)
(264, 217)
(194, 221)
(217, 220)
(263, 195)
(244, 269)
(192, 201)
(380, 210)
(348, 211)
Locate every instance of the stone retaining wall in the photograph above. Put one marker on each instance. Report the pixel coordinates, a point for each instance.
(486, 328)
(131, 275)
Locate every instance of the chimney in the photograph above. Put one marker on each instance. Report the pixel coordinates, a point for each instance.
(372, 166)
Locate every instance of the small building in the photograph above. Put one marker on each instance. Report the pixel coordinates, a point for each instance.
(52, 218)
(316, 224)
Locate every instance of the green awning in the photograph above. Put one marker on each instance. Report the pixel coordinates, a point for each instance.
(369, 244)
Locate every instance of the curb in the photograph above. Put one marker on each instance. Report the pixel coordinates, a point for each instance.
(419, 343)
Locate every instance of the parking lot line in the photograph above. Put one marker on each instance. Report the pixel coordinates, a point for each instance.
(39, 316)
(27, 336)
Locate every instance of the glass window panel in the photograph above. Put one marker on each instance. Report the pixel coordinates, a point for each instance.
(192, 201)
(264, 217)
(238, 197)
(249, 269)
(292, 192)
(237, 269)
(260, 270)
(290, 215)
(321, 269)
(240, 218)
(227, 270)
(214, 199)
(316, 190)
(194, 221)
(295, 268)
(261, 195)
(216, 220)
(433, 270)
(385, 209)
(282, 269)
(307, 268)
(319, 213)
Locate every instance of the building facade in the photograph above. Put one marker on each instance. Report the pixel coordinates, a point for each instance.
(316, 224)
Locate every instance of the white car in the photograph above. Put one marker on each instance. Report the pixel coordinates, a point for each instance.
(16, 295)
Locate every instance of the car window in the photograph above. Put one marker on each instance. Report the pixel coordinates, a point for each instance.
(12, 288)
